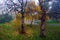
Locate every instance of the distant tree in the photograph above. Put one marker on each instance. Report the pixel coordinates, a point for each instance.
(32, 9)
(54, 16)
(5, 18)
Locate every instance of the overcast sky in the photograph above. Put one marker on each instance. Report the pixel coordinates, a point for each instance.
(3, 6)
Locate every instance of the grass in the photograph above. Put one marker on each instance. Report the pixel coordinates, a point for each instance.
(53, 22)
(53, 33)
(8, 32)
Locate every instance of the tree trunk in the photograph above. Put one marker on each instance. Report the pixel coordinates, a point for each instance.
(43, 19)
(42, 27)
(31, 22)
(22, 25)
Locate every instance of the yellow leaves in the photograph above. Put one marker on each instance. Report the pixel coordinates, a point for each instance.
(17, 21)
(38, 9)
(29, 32)
(47, 18)
(26, 10)
(18, 16)
(16, 24)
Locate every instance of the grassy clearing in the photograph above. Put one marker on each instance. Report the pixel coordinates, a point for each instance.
(8, 32)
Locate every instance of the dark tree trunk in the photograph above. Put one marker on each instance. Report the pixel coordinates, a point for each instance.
(22, 12)
(22, 25)
(42, 27)
(43, 20)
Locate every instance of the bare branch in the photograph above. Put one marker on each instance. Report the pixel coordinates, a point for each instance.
(26, 3)
(20, 2)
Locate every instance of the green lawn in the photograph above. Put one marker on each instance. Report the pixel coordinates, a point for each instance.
(8, 32)
(53, 22)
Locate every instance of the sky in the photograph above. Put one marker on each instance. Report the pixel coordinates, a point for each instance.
(3, 6)
(36, 2)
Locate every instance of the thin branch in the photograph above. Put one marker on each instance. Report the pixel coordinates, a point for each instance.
(20, 2)
(26, 3)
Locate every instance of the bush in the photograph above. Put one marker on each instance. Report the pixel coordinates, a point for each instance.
(5, 18)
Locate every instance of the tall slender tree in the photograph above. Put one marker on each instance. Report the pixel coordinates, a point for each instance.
(43, 18)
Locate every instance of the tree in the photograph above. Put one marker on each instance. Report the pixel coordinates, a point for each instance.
(43, 18)
(54, 16)
(5, 18)
(31, 9)
(20, 8)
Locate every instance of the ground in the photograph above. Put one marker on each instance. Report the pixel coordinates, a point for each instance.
(8, 32)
